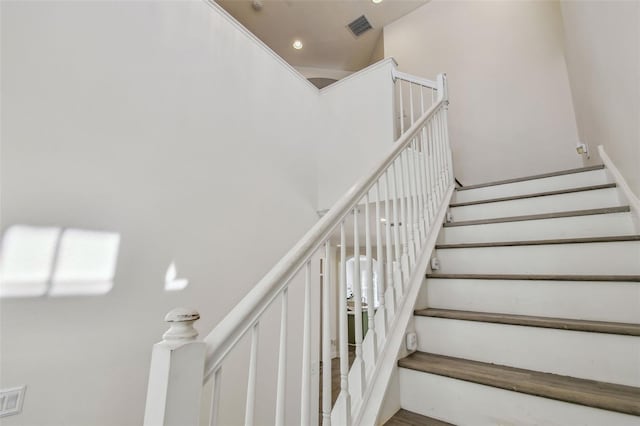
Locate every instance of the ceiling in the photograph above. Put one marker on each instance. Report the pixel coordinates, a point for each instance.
(321, 25)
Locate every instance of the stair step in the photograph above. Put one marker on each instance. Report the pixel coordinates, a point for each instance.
(408, 418)
(588, 212)
(540, 176)
(534, 321)
(534, 195)
(537, 277)
(608, 301)
(542, 242)
(564, 227)
(607, 396)
(597, 258)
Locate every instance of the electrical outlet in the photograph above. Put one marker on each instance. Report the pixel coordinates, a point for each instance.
(412, 342)
(435, 263)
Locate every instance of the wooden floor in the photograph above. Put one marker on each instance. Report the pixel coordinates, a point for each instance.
(608, 396)
(407, 418)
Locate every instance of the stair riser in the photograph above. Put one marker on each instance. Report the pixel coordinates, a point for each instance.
(465, 403)
(596, 301)
(600, 198)
(597, 356)
(612, 258)
(555, 183)
(599, 225)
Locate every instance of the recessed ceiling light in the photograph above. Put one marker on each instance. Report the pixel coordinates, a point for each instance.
(376, 1)
(297, 45)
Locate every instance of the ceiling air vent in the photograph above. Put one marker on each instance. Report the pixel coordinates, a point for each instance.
(360, 25)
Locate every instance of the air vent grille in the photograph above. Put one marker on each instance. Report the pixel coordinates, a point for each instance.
(359, 26)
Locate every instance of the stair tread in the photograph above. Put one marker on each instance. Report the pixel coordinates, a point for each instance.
(534, 321)
(407, 418)
(607, 396)
(525, 178)
(587, 212)
(535, 195)
(609, 239)
(537, 277)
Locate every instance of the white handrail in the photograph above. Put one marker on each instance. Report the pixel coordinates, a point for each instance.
(417, 179)
(244, 314)
(413, 79)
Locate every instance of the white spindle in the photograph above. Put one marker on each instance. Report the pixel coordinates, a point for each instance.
(305, 399)
(401, 107)
(370, 297)
(411, 101)
(282, 362)
(389, 243)
(326, 337)
(417, 182)
(357, 299)
(407, 198)
(251, 383)
(380, 270)
(215, 397)
(345, 414)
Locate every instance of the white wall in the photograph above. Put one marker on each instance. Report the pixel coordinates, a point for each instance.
(602, 44)
(511, 112)
(163, 122)
(356, 129)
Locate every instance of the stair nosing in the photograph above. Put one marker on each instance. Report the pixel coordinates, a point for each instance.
(591, 393)
(537, 277)
(533, 177)
(570, 213)
(569, 324)
(534, 195)
(585, 240)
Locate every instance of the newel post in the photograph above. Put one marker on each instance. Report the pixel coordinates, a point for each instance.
(176, 374)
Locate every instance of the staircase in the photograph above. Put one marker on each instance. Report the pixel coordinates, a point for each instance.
(533, 316)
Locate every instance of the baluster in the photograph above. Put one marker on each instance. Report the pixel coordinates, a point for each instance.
(370, 296)
(406, 198)
(442, 151)
(251, 383)
(411, 102)
(305, 399)
(404, 257)
(401, 107)
(357, 298)
(326, 337)
(400, 241)
(215, 397)
(438, 166)
(389, 265)
(417, 179)
(282, 362)
(380, 270)
(345, 414)
(424, 174)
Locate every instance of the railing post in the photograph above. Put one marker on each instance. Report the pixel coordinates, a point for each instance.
(176, 374)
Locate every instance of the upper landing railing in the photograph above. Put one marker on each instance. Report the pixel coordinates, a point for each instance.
(299, 311)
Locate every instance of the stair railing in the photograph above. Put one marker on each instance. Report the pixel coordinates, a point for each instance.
(412, 94)
(392, 215)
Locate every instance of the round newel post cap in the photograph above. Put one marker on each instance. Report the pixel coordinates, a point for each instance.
(181, 324)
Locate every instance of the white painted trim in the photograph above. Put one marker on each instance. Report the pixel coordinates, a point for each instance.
(372, 67)
(216, 7)
(413, 79)
(375, 393)
(631, 198)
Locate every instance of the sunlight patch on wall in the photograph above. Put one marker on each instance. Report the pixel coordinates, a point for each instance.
(35, 261)
(171, 280)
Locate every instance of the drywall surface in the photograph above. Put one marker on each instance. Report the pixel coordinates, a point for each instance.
(164, 123)
(602, 44)
(356, 129)
(511, 112)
